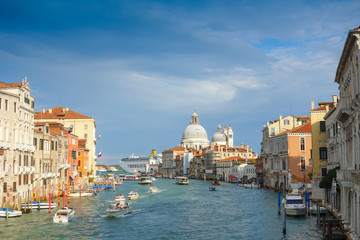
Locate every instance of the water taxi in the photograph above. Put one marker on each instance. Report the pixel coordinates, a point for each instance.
(63, 215)
(83, 194)
(118, 209)
(153, 189)
(120, 198)
(133, 195)
(11, 213)
(215, 183)
(250, 185)
(182, 180)
(294, 205)
(212, 189)
(145, 180)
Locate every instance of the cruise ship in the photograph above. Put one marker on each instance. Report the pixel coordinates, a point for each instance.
(135, 164)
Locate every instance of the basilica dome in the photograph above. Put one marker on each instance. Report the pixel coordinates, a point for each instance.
(219, 138)
(194, 135)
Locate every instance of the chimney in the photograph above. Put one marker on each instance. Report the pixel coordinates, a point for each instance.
(43, 110)
(327, 108)
(312, 105)
(335, 99)
(280, 117)
(250, 148)
(50, 110)
(67, 109)
(267, 123)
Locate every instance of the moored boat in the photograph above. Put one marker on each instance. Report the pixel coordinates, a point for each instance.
(83, 194)
(38, 205)
(313, 210)
(294, 205)
(250, 185)
(133, 195)
(11, 213)
(215, 183)
(64, 215)
(182, 180)
(145, 180)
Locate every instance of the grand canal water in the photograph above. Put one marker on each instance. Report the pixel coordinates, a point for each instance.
(176, 212)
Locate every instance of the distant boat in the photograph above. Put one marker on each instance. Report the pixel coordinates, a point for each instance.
(11, 213)
(182, 180)
(64, 215)
(145, 180)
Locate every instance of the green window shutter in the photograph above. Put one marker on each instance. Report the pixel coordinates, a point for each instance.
(41, 144)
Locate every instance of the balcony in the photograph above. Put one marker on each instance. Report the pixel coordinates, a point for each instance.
(32, 169)
(344, 177)
(344, 107)
(63, 166)
(4, 144)
(21, 169)
(45, 175)
(356, 178)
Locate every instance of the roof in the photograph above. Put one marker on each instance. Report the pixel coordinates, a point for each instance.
(305, 128)
(175, 149)
(12, 85)
(60, 113)
(323, 106)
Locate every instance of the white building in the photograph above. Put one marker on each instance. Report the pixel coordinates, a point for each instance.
(16, 142)
(244, 171)
(223, 137)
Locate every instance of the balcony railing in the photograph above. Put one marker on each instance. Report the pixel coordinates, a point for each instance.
(344, 175)
(4, 144)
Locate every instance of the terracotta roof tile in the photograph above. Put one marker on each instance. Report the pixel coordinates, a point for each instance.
(305, 128)
(12, 85)
(60, 113)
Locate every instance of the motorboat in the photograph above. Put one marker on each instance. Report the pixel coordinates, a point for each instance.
(118, 209)
(83, 194)
(215, 183)
(250, 185)
(153, 189)
(133, 195)
(182, 180)
(212, 189)
(11, 213)
(38, 205)
(313, 210)
(63, 215)
(294, 205)
(145, 180)
(118, 182)
(120, 198)
(131, 178)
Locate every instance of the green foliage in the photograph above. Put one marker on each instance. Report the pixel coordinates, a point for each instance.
(327, 180)
(91, 179)
(310, 175)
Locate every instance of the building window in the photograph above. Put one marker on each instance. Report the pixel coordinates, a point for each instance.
(74, 154)
(52, 145)
(323, 153)
(0, 102)
(302, 164)
(14, 107)
(323, 172)
(322, 126)
(85, 126)
(6, 105)
(272, 131)
(35, 143)
(302, 144)
(286, 122)
(85, 135)
(41, 144)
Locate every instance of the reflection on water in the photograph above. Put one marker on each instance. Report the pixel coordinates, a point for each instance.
(175, 212)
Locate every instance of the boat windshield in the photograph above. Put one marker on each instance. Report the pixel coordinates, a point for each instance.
(62, 213)
(294, 201)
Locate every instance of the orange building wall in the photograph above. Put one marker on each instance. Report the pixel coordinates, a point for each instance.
(72, 145)
(83, 158)
(294, 158)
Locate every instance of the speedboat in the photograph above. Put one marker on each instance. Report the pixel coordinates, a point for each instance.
(153, 189)
(145, 180)
(63, 215)
(182, 180)
(313, 210)
(38, 205)
(133, 195)
(83, 194)
(120, 198)
(118, 209)
(11, 213)
(119, 182)
(212, 189)
(294, 205)
(215, 183)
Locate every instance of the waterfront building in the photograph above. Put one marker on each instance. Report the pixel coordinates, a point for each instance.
(169, 158)
(82, 126)
(343, 134)
(215, 153)
(194, 135)
(274, 169)
(259, 169)
(288, 154)
(46, 161)
(83, 158)
(73, 146)
(244, 171)
(196, 166)
(16, 145)
(319, 149)
(233, 167)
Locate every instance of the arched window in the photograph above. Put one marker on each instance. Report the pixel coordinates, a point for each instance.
(302, 164)
(302, 144)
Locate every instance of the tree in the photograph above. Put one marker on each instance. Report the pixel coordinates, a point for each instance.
(327, 180)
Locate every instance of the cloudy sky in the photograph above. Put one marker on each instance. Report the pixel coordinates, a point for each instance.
(140, 68)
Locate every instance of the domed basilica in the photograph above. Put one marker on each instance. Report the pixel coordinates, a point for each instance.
(195, 135)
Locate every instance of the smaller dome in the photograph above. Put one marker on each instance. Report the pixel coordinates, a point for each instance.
(218, 137)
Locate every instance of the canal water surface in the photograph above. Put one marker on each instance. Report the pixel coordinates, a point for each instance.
(176, 212)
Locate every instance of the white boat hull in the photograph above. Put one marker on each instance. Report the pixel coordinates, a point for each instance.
(118, 211)
(63, 218)
(11, 214)
(295, 211)
(84, 194)
(37, 206)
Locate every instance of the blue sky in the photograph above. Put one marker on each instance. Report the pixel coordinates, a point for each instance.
(140, 68)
